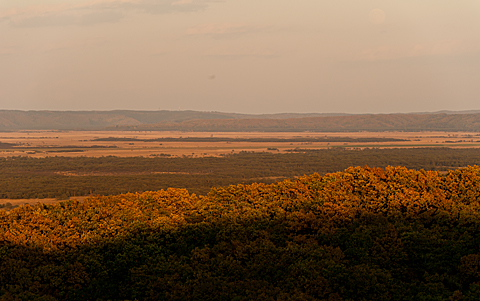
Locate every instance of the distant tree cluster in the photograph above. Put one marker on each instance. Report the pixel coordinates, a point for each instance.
(254, 140)
(5, 145)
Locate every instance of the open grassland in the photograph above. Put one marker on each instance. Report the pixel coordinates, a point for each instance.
(198, 161)
(24, 177)
(197, 144)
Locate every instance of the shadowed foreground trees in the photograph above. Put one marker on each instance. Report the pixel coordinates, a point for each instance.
(362, 234)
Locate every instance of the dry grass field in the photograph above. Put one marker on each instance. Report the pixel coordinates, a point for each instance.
(82, 143)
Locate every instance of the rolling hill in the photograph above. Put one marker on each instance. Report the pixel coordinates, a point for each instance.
(349, 123)
(96, 120)
(228, 122)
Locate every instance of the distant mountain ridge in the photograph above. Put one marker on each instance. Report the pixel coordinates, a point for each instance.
(350, 123)
(11, 120)
(71, 120)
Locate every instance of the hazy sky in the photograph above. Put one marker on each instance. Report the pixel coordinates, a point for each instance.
(247, 56)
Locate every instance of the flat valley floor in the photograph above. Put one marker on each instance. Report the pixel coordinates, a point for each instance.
(40, 144)
(146, 143)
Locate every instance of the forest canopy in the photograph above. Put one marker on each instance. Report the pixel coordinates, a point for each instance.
(362, 234)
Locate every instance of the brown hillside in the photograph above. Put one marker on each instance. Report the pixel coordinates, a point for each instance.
(377, 122)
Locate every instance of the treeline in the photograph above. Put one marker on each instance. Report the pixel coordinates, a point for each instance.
(63, 177)
(263, 139)
(5, 145)
(362, 234)
(65, 148)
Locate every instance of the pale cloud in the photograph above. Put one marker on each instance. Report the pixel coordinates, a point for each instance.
(241, 53)
(93, 12)
(5, 50)
(182, 2)
(159, 52)
(381, 53)
(437, 48)
(43, 9)
(444, 47)
(75, 44)
(64, 19)
(168, 6)
(218, 30)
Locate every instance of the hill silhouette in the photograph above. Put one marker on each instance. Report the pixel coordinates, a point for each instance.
(224, 122)
(349, 123)
(96, 120)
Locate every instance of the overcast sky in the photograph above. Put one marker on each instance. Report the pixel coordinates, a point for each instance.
(245, 56)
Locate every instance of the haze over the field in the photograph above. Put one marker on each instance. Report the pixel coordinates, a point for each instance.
(246, 56)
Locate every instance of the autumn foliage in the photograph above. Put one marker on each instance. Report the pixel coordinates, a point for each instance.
(361, 234)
